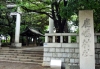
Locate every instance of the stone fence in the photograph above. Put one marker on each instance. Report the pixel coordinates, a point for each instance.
(68, 52)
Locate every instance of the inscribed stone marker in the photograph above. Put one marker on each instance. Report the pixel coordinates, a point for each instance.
(86, 44)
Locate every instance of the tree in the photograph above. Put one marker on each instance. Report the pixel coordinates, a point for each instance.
(7, 23)
(37, 21)
(75, 5)
(61, 10)
(49, 8)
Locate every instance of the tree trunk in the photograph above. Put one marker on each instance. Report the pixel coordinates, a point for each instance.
(66, 31)
(60, 29)
(11, 38)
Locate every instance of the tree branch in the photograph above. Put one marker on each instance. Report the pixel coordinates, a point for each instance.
(37, 11)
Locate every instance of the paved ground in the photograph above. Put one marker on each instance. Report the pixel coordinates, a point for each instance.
(10, 65)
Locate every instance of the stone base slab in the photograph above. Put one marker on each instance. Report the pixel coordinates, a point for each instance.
(16, 45)
(46, 64)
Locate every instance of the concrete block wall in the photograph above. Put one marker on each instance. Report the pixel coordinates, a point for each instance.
(68, 54)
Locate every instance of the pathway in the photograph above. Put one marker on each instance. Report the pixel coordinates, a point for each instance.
(10, 65)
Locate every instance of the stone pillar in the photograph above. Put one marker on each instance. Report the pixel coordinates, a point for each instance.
(86, 44)
(17, 31)
(51, 25)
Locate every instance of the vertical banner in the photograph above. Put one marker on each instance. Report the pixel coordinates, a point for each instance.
(86, 44)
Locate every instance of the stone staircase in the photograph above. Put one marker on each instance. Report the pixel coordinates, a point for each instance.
(23, 55)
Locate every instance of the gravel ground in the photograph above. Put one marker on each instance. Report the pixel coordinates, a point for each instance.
(14, 65)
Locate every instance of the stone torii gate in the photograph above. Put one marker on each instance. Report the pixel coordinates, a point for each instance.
(17, 29)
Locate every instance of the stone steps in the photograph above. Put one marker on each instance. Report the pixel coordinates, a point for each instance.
(21, 56)
(26, 52)
(21, 59)
(22, 62)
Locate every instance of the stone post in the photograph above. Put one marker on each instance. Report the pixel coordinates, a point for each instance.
(53, 39)
(46, 39)
(86, 44)
(69, 39)
(51, 25)
(61, 39)
(17, 29)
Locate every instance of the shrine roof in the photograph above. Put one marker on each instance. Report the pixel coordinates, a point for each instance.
(31, 32)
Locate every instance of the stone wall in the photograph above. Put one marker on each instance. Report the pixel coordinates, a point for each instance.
(68, 54)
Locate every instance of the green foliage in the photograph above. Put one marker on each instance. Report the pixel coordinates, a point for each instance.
(73, 6)
(2, 5)
(73, 39)
(36, 5)
(36, 21)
